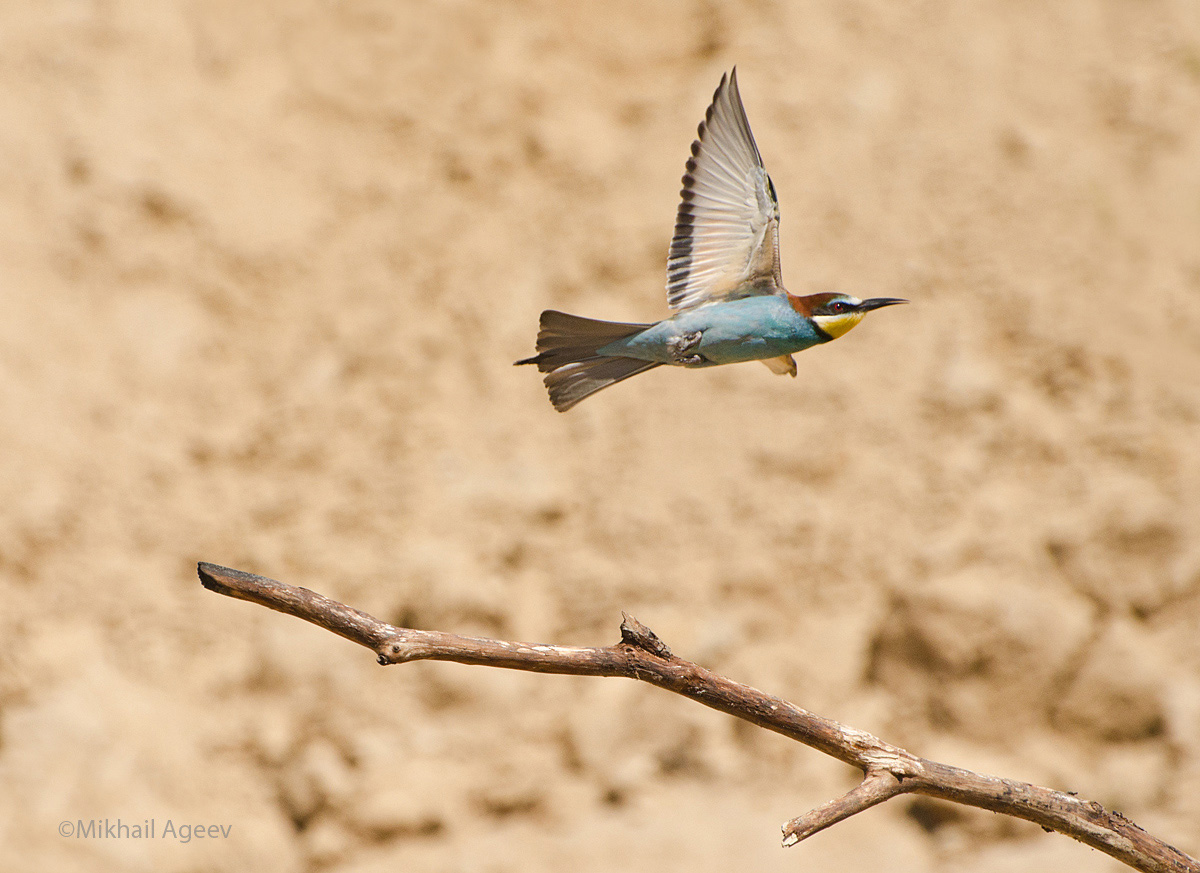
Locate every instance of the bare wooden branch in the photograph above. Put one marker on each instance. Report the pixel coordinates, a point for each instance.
(876, 787)
(888, 770)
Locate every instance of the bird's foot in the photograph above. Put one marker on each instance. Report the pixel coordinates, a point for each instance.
(680, 346)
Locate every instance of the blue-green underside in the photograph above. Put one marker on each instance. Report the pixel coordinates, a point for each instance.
(730, 332)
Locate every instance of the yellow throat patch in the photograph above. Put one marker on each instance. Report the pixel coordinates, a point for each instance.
(836, 325)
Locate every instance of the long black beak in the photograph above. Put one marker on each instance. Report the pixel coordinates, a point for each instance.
(879, 303)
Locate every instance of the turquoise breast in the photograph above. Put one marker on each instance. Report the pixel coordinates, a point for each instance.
(749, 329)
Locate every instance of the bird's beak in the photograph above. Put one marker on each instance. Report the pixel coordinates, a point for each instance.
(879, 303)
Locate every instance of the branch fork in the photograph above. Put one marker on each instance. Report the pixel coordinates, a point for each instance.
(888, 771)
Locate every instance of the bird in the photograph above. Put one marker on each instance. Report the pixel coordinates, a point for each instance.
(723, 280)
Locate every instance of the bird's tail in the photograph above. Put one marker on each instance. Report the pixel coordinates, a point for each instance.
(567, 347)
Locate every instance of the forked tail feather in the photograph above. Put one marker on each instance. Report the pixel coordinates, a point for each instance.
(567, 347)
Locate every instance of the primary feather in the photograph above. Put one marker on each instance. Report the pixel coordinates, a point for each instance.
(726, 242)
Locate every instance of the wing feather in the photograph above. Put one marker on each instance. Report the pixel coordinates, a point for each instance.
(726, 242)
(785, 365)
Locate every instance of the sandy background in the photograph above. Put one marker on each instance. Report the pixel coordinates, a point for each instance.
(265, 266)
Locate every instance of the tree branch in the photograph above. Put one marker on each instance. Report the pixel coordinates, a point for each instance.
(888, 770)
(876, 787)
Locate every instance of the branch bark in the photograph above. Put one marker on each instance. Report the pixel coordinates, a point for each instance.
(888, 770)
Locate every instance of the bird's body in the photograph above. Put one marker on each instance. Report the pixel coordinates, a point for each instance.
(723, 280)
(732, 332)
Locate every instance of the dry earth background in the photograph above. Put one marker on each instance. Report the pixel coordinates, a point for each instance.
(265, 267)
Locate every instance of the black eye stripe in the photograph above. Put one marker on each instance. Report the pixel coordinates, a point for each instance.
(840, 307)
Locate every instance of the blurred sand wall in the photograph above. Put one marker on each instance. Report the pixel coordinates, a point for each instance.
(263, 271)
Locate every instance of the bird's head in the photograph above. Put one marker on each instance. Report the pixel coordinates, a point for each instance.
(835, 314)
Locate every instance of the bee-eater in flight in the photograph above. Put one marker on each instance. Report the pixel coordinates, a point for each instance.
(723, 280)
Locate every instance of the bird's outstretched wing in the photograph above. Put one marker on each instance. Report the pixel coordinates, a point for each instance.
(726, 242)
